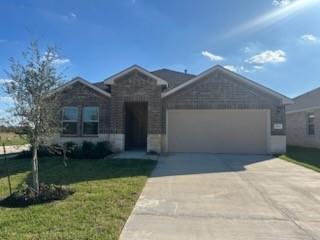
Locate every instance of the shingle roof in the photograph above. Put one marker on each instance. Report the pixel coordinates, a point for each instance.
(307, 100)
(177, 80)
(101, 85)
(173, 78)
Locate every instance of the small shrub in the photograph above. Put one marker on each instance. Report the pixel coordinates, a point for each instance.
(26, 195)
(43, 151)
(152, 152)
(102, 149)
(70, 145)
(88, 149)
(75, 153)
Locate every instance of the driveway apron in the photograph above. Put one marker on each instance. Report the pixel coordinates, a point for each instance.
(212, 196)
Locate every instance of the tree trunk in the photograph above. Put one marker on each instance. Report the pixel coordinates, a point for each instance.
(35, 173)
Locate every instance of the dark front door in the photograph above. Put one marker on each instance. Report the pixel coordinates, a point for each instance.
(136, 125)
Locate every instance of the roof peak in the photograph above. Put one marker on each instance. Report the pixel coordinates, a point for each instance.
(170, 70)
(307, 93)
(111, 79)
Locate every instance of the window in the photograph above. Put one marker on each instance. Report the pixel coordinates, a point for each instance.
(70, 121)
(90, 119)
(310, 124)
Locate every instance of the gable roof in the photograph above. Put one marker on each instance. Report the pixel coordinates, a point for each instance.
(285, 100)
(307, 101)
(173, 78)
(111, 79)
(84, 82)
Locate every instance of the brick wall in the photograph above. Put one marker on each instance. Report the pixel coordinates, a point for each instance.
(221, 91)
(215, 91)
(297, 129)
(79, 95)
(135, 87)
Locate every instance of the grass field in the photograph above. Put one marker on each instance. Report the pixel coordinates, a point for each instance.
(11, 139)
(106, 192)
(307, 157)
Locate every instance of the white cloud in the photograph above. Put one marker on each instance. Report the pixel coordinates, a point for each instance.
(309, 38)
(211, 56)
(61, 61)
(4, 80)
(73, 15)
(258, 67)
(247, 49)
(237, 69)
(281, 3)
(57, 60)
(231, 68)
(268, 57)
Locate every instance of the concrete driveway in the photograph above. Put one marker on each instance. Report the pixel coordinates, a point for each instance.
(207, 196)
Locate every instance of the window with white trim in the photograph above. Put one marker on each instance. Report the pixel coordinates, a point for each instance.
(310, 124)
(70, 120)
(90, 120)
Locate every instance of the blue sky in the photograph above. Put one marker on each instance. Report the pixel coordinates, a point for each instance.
(273, 42)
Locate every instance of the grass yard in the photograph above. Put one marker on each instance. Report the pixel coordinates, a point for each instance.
(9, 138)
(307, 157)
(106, 192)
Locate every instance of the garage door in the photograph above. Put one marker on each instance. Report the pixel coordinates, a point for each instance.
(217, 131)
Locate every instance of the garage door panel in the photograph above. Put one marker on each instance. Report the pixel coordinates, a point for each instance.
(217, 131)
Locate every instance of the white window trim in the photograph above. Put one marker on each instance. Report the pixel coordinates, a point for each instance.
(90, 121)
(70, 121)
(308, 124)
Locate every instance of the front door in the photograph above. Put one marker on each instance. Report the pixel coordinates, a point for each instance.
(136, 125)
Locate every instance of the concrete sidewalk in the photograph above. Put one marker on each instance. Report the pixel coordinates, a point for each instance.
(206, 196)
(14, 149)
(135, 155)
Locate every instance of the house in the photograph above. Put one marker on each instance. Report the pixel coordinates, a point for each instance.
(217, 111)
(303, 120)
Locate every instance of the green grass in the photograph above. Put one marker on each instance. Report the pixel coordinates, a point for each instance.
(9, 138)
(307, 157)
(106, 191)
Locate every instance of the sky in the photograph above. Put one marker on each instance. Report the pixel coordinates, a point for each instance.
(273, 42)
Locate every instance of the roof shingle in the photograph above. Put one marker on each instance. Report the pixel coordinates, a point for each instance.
(309, 99)
(173, 78)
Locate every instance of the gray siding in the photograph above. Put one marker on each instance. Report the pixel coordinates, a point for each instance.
(307, 100)
(297, 129)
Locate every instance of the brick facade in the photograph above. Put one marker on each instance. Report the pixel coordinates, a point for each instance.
(297, 129)
(214, 91)
(135, 87)
(219, 91)
(79, 95)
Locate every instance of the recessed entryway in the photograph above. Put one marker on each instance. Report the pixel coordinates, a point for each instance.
(136, 125)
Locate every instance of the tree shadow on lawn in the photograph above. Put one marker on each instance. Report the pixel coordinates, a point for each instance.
(53, 171)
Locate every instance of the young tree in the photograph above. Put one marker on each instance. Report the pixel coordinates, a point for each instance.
(31, 85)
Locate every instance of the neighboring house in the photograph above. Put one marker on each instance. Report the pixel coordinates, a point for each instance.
(303, 120)
(217, 111)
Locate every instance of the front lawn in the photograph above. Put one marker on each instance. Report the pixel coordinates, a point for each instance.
(106, 191)
(307, 157)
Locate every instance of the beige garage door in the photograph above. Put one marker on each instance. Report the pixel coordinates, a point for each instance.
(217, 131)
